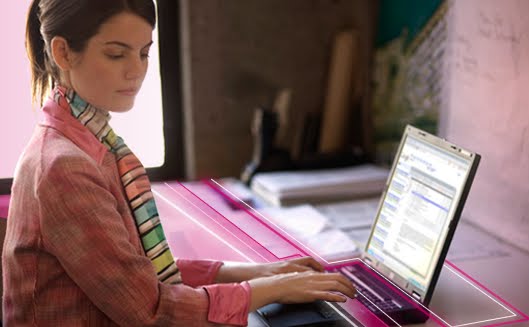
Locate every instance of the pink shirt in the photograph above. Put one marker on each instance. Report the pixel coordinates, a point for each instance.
(72, 255)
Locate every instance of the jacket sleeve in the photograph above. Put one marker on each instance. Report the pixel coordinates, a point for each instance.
(82, 228)
(198, 272)
(228, 302)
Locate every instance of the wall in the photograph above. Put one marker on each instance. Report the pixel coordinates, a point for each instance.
(238, 54)
(487, 110)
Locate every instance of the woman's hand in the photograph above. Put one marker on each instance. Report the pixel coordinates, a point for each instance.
(231, 272)
(301, 287)
(292, 281)
(289, 266)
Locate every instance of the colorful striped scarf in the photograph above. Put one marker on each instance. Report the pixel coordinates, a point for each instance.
(135, 183)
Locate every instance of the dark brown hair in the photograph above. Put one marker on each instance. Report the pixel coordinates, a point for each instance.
(74, 20)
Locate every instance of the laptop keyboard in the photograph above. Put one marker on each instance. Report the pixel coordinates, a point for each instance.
(370, 294)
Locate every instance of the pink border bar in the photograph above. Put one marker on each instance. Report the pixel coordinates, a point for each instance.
(239, 229)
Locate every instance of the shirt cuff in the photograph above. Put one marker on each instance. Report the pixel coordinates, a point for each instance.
(229, 303)
(198, 272)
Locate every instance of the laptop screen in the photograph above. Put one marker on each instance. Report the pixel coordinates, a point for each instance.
(419, 203)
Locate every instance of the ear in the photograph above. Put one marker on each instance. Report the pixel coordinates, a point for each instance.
(61, 53)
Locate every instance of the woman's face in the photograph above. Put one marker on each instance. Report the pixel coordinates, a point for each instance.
(109, 72)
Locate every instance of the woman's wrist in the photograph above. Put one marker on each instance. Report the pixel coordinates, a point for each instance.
(264, 291)
(236, 272)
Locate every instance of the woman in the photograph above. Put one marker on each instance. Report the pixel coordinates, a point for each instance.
(84, 245)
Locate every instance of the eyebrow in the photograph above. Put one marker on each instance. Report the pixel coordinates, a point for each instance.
(125, 45)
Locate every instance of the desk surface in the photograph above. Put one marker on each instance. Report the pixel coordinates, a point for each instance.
(505, 275)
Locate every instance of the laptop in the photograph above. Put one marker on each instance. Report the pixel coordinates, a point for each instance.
(415, 221)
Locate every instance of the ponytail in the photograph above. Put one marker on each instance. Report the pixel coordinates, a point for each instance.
(41, 80)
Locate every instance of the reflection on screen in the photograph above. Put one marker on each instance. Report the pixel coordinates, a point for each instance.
(417, 209)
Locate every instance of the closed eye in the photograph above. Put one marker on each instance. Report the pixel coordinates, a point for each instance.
(115, 57)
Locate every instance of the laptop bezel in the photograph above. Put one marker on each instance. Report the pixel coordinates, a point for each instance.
(424, 296)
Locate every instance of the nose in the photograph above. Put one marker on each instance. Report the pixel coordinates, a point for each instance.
(135, 69)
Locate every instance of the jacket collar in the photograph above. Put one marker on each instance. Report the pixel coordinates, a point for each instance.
(59, 118)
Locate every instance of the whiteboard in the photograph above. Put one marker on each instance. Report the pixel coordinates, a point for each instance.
(487, 109)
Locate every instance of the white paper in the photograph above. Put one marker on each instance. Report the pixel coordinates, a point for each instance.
(331, 242)
(350, 214)
(360, 236)
(302, 221)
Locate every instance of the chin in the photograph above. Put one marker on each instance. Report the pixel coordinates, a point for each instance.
(123, 107)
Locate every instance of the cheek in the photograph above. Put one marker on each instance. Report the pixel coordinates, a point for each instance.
(90, 76)
(97, 83)
(105, 75)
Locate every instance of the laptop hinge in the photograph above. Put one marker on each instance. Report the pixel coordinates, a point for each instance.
(416, 295)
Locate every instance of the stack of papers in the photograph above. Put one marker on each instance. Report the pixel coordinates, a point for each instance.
(313, 186)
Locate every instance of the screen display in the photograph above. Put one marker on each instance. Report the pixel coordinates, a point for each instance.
(416, 211)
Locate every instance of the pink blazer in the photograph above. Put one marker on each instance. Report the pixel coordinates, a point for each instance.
(72, 255)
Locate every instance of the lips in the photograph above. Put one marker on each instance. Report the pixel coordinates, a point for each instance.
(128, 92)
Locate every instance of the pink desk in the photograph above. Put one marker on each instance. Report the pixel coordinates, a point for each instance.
(200, 222)
(206, 218)
(203, 220)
